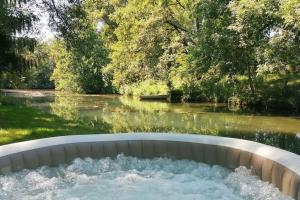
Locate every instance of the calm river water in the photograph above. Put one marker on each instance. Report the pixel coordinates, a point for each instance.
(125, 114)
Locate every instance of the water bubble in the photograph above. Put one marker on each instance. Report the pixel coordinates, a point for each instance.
(132, 178)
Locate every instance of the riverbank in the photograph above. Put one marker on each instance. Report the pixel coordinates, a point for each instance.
(26, 117)
(235, 105)
(21, 123)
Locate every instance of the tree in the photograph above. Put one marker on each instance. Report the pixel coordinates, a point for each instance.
(14, 18)
(211, 50)
(270, 34)
(144, 38)
(79, 54)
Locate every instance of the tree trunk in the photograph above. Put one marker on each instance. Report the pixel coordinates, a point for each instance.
(251, 83)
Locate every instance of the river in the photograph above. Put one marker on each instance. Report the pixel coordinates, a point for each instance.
(127, 114)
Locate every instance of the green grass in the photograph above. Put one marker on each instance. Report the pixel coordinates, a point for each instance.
(20, 123)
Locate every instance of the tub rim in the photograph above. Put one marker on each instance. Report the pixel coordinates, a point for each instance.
(288, 159)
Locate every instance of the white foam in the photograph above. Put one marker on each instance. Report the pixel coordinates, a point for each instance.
(128, 178)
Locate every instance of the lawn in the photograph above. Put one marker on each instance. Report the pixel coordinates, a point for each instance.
(20, 123)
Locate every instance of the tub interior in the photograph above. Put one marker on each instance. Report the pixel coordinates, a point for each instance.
(126, 177)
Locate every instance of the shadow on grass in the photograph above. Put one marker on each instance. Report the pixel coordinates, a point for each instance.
(20, 123)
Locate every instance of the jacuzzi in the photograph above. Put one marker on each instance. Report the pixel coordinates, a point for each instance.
(278, 167)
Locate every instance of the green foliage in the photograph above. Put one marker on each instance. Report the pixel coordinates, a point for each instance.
(14, 19)
(144, 38)
(240, 45)
(64, 76)
(290, 11)
(281, 91)
(35, 76)
(210, 50)
(148, 87)
(79, 57)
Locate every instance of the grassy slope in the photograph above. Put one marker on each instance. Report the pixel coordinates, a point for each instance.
(19, 123)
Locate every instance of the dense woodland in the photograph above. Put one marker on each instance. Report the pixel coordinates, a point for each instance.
(242, 51)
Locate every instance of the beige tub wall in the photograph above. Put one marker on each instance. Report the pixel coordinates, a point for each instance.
(276, 166)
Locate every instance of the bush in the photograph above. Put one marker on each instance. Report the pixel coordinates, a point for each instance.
(148, 87)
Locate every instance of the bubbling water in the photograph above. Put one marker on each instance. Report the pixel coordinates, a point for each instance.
(128, 178)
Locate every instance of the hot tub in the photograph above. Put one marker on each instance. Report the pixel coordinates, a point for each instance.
(208, 153)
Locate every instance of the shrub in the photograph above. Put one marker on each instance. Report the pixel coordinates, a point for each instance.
(148, 87)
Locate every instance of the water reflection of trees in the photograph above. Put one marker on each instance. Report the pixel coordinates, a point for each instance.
(66, 107)
(131, 115)
(143, 122)
(70, 107)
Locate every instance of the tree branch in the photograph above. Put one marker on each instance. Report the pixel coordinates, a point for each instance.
(180, 4)
(176, 26)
